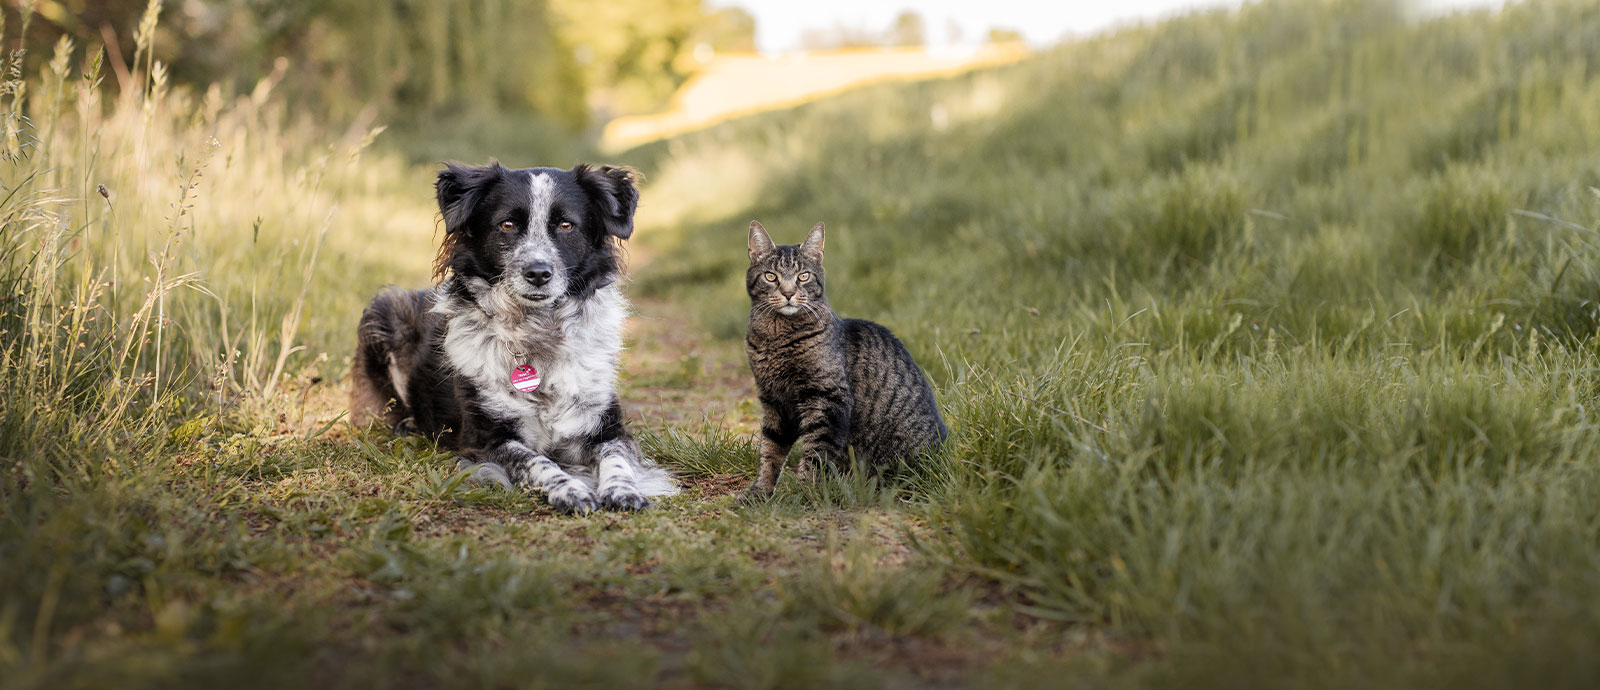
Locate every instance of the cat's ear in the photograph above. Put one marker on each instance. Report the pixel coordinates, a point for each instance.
(760, 242)
(812, 247)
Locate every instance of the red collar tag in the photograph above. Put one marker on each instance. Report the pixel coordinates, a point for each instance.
(525, 378)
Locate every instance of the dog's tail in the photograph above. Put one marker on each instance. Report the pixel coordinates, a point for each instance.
(386, 343)
(655, 481)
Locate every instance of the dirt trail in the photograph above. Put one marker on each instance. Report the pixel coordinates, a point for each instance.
(675, 375)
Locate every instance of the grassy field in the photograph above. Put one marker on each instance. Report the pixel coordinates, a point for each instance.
(1268, 342)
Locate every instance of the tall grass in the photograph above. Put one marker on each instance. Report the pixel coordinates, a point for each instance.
(159, 248)
(1268, 337)
(168, 265)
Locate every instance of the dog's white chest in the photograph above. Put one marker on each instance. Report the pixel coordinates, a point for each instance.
(575, 350)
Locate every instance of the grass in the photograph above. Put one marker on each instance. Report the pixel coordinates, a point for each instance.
(1267, 340)
(1264, 354)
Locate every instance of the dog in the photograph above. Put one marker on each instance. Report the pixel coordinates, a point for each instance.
(511, 360)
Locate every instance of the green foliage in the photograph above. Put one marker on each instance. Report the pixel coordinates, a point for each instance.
(757, 650)
(633, 54)
(851, 588)
(704, 451)
(1259, 332)
(515, 79)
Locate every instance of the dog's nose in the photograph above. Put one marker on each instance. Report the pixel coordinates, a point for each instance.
(538, 274)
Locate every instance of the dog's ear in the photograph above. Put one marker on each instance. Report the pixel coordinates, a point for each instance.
(614, 192)
(760, 242)
(812, 247)
(461, 187)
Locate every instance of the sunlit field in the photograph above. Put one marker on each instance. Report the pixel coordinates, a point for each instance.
(1268, 342)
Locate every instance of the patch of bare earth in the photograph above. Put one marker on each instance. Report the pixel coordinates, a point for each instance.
(674, 375)
(716, 485)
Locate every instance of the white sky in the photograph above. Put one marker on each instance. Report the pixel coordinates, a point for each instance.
(779, 23)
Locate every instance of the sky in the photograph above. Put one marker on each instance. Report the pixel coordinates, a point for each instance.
(780, 23)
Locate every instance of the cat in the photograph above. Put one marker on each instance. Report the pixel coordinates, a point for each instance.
(839, 386)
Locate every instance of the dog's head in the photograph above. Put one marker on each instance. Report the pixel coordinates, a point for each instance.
(537, 236)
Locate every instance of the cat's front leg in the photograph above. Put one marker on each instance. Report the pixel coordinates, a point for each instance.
(778, 434)
(803, 472)
(825, 433)
(619, 476)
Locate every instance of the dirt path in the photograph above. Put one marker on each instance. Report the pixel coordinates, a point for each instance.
(674, 375)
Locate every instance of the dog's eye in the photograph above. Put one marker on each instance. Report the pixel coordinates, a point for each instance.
(508, 226)
(770, 277)
(805, 277)
(564, 225)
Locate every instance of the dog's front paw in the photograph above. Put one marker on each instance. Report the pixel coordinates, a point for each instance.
(623, 497)
(573, 498)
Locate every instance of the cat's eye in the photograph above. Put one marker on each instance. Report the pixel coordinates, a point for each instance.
(564, 225)
(805, 277)
(770, 277)
(508, 226)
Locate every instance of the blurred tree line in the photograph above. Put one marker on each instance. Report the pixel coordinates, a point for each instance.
(908, 30)
(534, 69)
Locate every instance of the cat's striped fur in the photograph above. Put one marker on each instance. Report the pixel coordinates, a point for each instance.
(840, 387)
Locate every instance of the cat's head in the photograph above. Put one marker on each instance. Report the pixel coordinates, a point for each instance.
(786, 278)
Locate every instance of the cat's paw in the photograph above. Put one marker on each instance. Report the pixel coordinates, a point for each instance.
(623, 497)
(573, 498)
(755, 493)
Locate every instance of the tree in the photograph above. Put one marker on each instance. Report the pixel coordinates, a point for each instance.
(839, 37)
(1004, 35)
(729, 30)
(633, 54)
(908, 30)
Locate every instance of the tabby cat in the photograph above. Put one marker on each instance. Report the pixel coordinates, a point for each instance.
(839, 386)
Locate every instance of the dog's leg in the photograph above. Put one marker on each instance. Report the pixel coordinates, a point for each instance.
(526, 468)
(386, 342)
(618, 461)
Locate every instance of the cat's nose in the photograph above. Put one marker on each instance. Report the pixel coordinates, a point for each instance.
(538, 274)
(786, 293)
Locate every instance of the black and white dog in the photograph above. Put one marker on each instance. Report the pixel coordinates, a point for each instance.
(512, 359)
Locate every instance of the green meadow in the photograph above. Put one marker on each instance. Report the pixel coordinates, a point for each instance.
(1267, 338)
